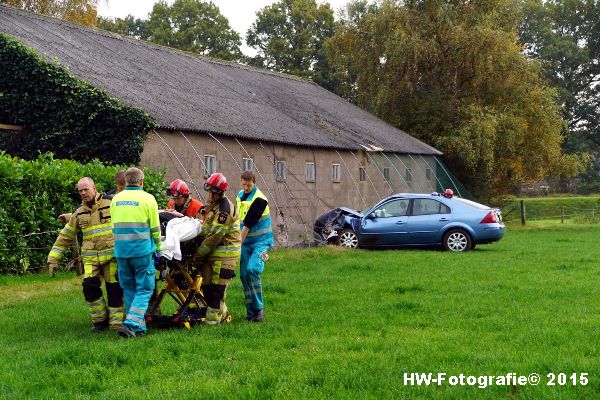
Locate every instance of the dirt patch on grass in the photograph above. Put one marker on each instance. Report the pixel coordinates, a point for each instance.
(13, 294)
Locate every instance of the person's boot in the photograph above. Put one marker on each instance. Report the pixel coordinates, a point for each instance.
(259, 316)
(224, 311)
(213, 316)
(126, 332)
(100, 326)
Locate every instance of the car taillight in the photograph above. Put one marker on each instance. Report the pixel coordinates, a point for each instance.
(490, 218)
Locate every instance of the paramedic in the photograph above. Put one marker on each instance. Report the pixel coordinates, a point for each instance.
(137, 236)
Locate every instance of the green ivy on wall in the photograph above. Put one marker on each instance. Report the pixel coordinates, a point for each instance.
(63, 114)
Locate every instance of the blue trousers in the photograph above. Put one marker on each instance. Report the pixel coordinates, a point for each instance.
(251, 268)
(136, 276)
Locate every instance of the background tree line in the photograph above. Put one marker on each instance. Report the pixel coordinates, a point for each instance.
(507, 89)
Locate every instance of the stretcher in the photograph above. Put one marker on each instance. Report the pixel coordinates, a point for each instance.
(183, 286)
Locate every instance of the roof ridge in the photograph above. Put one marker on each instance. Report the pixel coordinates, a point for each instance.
(140, 42)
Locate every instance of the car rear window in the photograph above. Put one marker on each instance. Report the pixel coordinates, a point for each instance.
(470, 203)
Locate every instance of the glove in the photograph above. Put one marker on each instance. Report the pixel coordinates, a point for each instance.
(164, 273)
(52, 266)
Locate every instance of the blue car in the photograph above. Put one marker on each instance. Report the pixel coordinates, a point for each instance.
(428, 220)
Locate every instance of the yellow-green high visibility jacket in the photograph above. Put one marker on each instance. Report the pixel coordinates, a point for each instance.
(94, 224)
(260, 231)
(220, 234)
(135, 223)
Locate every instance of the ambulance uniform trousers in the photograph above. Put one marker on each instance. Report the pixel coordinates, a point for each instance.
(136, 276)
(251, 268)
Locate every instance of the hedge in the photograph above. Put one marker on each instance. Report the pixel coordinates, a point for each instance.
(35, 192)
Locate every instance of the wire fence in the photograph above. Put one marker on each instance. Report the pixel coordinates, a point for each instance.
(558, 213)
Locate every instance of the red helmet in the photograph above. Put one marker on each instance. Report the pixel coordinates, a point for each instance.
(178, 188)
(216, 183)
(448, 193)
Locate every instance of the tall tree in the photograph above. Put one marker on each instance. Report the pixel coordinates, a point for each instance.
(128, 26)
(290, 37)
(451, 73)
(79, 11)
(564, 36)
(196, 26)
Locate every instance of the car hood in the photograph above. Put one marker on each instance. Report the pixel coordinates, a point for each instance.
(351, 212)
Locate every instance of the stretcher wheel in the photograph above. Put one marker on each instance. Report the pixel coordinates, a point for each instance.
(227, 319)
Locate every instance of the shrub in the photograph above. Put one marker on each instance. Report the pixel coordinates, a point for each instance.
(35, 192)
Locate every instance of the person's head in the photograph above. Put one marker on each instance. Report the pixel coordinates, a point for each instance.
(86, 189)
(215, 185)
(120, 180)
(134, 177)
(178, 191)
(248, 181)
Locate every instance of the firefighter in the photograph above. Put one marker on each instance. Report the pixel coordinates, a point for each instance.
(218, 253)
(181, 203)
(257, 239)
(92, 219)
(137, 236)
(120, 185)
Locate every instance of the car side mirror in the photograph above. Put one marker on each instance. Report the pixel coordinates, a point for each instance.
(371, 216)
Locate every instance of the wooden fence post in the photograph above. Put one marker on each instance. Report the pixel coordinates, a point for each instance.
(562, 215)
(522, 212)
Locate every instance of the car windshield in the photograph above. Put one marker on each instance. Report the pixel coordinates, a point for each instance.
(471, 203)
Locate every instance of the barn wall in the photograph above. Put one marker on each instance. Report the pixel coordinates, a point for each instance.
(295, 203)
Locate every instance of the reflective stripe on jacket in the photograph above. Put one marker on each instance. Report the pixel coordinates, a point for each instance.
(95, 225)
(220, 232)
(135, 223)
(261, 231)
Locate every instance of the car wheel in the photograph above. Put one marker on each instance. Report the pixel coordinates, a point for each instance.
(348, 239)
(457, 240)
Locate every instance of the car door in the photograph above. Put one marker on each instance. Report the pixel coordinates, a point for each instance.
(385, 226)
(426, 221)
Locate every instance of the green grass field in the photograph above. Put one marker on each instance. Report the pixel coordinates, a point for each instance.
(340, 324)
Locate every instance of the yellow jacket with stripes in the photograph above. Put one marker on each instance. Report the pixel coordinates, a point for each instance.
(221, 240)
(94, 224)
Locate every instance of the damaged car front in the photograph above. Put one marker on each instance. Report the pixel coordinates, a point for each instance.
(335, 227)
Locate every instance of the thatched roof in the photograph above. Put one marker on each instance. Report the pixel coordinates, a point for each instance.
(183, 91)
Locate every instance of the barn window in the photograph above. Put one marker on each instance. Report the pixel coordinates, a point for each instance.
(408, 174)
(335, 172)
(362, 174)
(310, 172)
(247, 164)
(386, 174)
(210, 165)
(280, 171)
(428, 174)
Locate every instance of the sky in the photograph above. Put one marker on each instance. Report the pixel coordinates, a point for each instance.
(240, 13)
